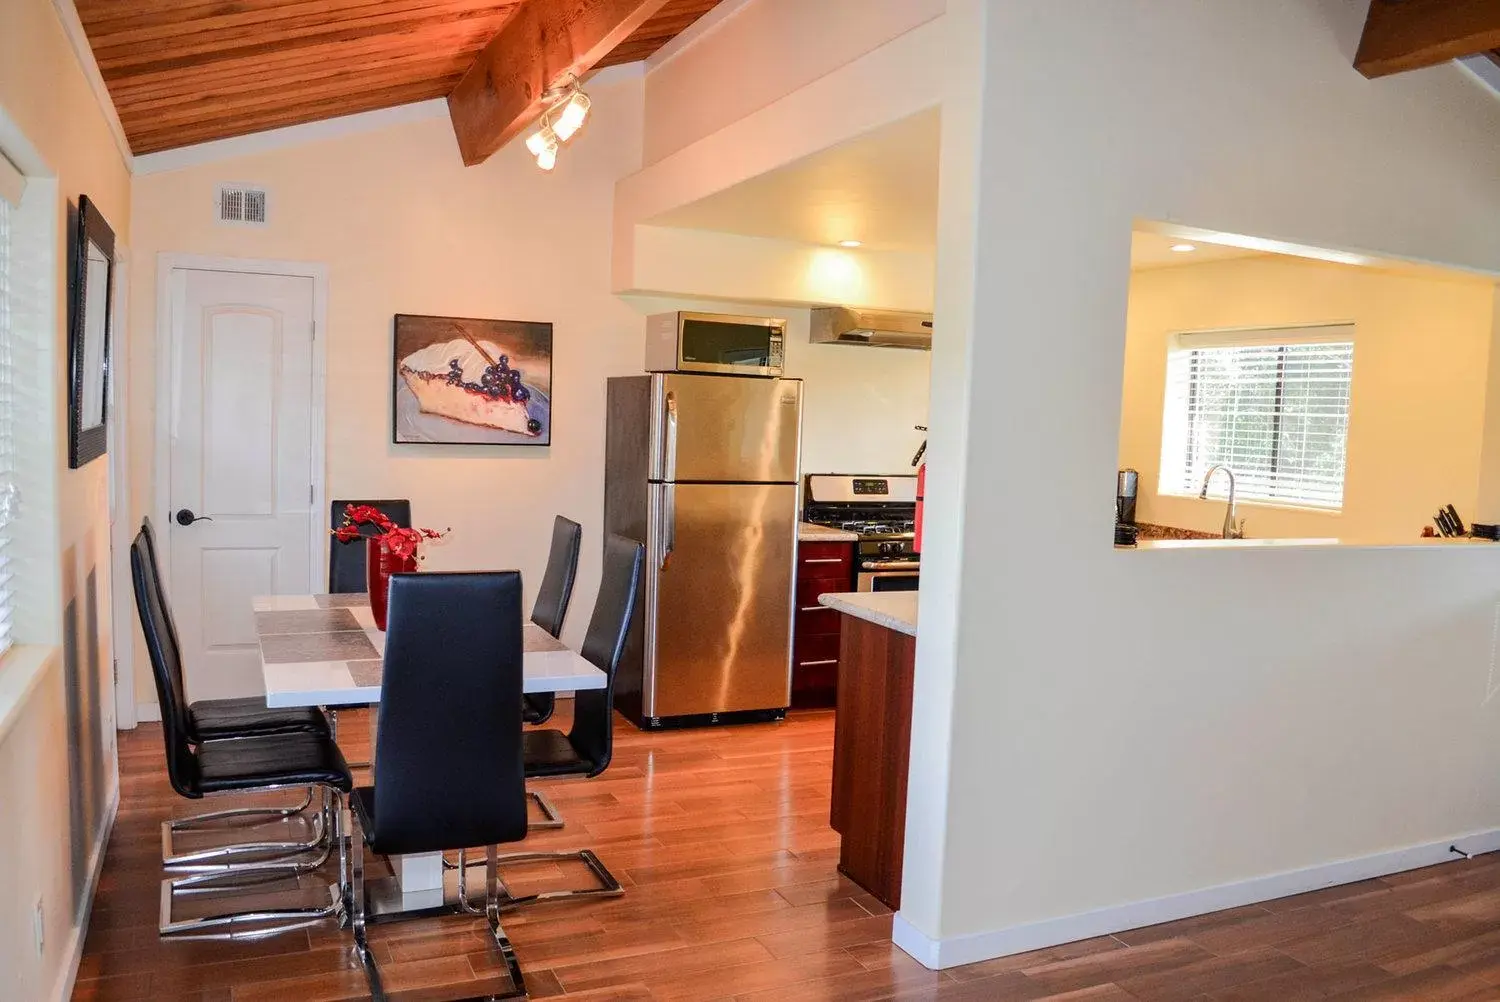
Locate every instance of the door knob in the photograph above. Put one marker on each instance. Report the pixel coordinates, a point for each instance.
(185, 516)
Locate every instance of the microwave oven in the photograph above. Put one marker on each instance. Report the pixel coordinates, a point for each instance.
(714, 342)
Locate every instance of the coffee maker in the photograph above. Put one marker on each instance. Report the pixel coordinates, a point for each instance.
(1126, 484)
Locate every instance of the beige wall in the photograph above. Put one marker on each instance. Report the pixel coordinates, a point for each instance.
(1416, 415)
(404, 227)
(52, 126)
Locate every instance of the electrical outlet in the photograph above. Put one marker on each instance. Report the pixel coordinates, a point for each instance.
(39, 926)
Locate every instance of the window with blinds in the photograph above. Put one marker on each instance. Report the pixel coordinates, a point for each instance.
(7, 438)
(1272, 405)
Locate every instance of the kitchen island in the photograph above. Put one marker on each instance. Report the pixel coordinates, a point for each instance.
(872, 735)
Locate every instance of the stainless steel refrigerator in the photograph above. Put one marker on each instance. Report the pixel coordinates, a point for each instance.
(703, 470)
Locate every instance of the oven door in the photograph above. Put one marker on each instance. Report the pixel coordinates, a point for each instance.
(903, 578)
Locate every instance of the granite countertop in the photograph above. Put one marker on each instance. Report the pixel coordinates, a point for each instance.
(894, 610)
(809, 533)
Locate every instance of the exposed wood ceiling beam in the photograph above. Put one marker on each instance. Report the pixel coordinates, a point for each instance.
(541, 44)
(1403, 35)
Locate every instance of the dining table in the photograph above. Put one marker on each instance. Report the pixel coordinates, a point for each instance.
(325, 650)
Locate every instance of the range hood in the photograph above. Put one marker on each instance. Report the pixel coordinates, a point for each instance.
(876, 328)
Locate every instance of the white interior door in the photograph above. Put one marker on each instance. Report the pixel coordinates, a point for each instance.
(241, 455)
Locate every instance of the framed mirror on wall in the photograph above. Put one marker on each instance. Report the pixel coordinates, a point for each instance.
(91, 280)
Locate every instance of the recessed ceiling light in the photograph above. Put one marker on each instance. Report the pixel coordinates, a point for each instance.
(1183, 248)
(851, 243)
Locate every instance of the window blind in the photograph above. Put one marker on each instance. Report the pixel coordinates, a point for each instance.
(7, 438)
(1273, 406)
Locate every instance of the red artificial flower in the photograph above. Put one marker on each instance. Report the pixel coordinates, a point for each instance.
(365, 514)
(393, 539)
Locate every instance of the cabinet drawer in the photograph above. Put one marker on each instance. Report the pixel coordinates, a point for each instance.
(818, 558)
(808, 591)
(818, 651)
(816, 621)
(815, 686)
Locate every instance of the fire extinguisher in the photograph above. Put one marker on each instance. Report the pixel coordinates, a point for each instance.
(916, 544)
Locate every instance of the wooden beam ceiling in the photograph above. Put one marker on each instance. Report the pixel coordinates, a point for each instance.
(1403, 35)
(503, 92)
(188, 71)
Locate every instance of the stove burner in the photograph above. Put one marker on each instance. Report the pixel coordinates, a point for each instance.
(878, 527)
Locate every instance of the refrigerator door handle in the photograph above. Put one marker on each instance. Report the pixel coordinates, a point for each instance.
(669, 523)
(669, 462)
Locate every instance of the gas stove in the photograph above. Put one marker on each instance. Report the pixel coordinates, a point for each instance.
(882, 511)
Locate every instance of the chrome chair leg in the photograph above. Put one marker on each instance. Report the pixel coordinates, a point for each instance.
(551, 820)
(608, 885)
(190, 861)
(246, 926)
(357, 912)
(492, 917)
(242, 814)
(333, 732)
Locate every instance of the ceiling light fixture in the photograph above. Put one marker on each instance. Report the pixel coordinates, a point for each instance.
(567, 110)
(1183, 248)
(851, 243)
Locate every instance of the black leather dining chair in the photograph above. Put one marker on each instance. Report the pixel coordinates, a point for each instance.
(219, 719)
(347, 567)
(346, 561)
(448, 750)
(588, 745)
(551, 606)
(239, 765)
(215, 719)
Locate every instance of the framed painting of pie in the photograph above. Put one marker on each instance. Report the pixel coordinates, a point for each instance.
(460, 381)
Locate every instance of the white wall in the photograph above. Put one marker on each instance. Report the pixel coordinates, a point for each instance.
(846, 97)
(1417, 407)
(760, 53)
(1124, 726)
(404, 227)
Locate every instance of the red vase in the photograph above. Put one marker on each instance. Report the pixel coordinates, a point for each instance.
(380, 564)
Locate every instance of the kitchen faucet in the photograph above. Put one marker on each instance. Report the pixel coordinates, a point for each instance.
(1231, 530)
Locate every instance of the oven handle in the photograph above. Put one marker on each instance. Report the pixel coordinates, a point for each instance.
(890, 565)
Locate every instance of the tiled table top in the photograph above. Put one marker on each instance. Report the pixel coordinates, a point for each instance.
(320, 650)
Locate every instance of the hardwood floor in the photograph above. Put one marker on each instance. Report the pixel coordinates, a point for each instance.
(722, 838)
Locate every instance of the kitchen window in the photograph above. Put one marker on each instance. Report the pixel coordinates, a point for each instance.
(1272, 405)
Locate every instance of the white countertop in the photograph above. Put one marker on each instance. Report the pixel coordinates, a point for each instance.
(809, 533)
(895, 610)
(1309, 542)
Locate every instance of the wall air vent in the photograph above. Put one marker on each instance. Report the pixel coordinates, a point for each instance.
(242, 205)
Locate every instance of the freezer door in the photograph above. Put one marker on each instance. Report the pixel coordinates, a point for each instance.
(725, 428)
(720, 589)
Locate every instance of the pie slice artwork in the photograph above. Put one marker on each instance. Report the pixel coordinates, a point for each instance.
(461, 381)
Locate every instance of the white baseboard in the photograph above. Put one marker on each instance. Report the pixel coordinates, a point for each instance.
(63, 990)
(147, 711)
(955, 951)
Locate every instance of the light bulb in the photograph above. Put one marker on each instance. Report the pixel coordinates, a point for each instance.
(540, 140)
(546, 158)
(571, 119)
(851, 243)
(1183, 248)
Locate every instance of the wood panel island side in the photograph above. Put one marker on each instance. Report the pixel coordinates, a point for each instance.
(872, 735)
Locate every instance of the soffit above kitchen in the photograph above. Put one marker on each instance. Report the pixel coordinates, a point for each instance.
(188, 71)
(880, 189)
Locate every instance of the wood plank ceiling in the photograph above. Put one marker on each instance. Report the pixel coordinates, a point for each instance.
(188, 71)
(1403, 35)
